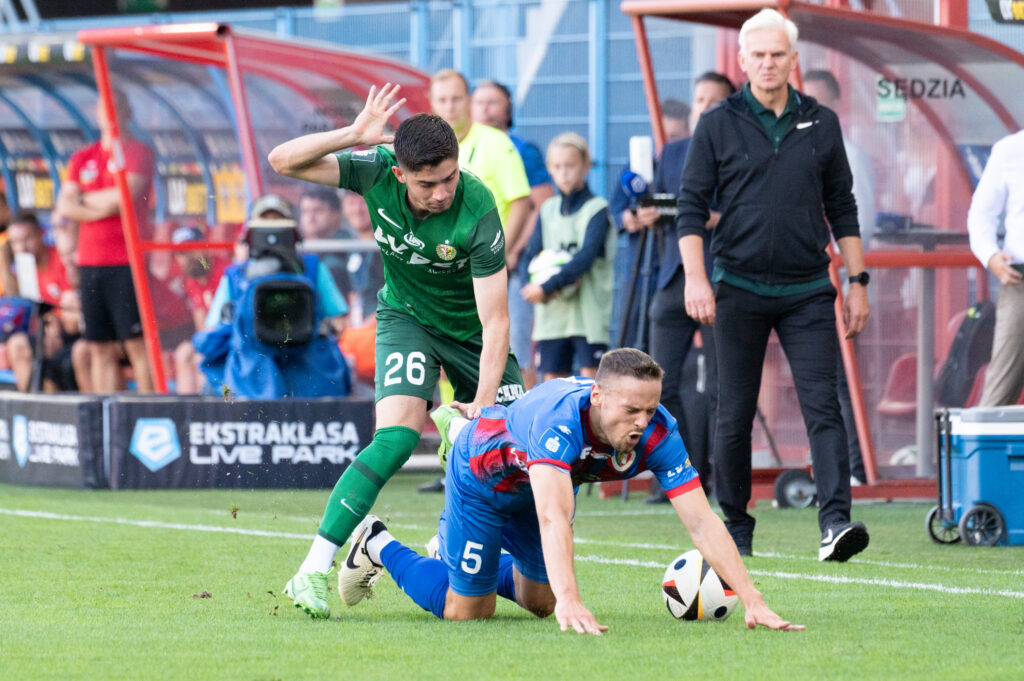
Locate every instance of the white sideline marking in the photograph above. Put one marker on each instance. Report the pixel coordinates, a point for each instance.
(924, 586)
(674, 547)
(903, 566)
(155, 523)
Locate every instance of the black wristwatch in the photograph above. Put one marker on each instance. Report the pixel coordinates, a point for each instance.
(863, 278)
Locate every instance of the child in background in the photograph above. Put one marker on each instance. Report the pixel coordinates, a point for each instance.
(571, 324)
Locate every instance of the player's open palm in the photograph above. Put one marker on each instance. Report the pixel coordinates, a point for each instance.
(761, 614)
(572, 613)
(373, 119)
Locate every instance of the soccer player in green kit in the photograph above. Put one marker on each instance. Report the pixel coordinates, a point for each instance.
(444, 303)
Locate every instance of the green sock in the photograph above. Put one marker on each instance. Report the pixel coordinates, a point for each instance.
(357, 489)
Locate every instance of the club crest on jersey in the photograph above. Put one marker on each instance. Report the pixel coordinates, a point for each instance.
(621, 461)
(445, 252)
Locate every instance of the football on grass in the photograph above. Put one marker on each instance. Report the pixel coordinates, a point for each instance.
(693, 591)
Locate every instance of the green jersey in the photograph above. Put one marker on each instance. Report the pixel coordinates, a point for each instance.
(429, 264)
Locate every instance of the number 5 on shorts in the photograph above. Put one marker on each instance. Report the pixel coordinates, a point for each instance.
(414, 370)
(470, 560)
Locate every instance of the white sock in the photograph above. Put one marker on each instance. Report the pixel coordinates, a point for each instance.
(377, 544)
(455, 427)
(321, 555)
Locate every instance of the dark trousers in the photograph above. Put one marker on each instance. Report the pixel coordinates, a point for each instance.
(689, 390)
(806, 327)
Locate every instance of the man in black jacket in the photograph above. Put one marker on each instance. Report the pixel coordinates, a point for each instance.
(776, 160)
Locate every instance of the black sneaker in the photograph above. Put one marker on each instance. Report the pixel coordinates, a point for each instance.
(842, 541)
(435, 486)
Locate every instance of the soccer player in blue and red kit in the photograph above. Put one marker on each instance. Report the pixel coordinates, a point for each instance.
(511, 480)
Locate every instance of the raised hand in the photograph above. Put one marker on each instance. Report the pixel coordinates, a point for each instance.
(372, 121)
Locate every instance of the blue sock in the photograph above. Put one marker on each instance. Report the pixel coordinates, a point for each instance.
(506, 584)
(424, 580)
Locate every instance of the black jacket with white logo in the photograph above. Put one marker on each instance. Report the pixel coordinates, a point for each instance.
(773, 201)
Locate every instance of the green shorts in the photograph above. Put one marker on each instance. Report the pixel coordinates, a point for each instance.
(410, 356)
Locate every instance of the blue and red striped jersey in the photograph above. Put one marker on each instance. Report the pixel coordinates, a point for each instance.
(550, 426)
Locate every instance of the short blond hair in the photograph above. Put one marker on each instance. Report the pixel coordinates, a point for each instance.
(572, 140)
(449, 74)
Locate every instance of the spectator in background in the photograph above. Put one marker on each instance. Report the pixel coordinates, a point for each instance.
(672, 330)
(1001, 191)
(771, 270)
(5, 215)
(824, 87)
(201, 274)
(5, 211)
(486, 152)
(320, 218)
(492, 105)
(675, 116)
(90, 196)
(571, 327)
(365, 269)
(25, 236)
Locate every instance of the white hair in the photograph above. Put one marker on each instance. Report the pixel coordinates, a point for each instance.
(769, 19)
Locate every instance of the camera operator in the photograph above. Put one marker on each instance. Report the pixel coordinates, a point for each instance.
(672, 331)
(270, 329)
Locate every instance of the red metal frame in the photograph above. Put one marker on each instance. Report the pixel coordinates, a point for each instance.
(238, 52)
(130, 223)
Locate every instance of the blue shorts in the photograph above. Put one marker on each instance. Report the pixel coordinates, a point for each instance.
(474, 528)
(567, 355)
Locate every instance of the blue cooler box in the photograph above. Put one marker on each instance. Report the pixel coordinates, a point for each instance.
(980, 476)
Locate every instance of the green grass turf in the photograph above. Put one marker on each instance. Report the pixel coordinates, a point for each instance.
(100, 600)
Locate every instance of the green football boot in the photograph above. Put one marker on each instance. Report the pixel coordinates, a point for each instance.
(442, 417)
(309, 591)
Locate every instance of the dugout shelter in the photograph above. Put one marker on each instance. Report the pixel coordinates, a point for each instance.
(925, 101)
(210, 100)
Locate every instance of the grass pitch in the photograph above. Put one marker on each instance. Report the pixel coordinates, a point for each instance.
(186, 585)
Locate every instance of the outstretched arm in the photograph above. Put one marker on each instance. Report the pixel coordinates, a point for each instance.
(714, 543)
(552, 492)
(491, 294)
(311, 157)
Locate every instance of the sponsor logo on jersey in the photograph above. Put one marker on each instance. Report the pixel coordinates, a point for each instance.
(413, 241)
(445, 252)
(89, 173)
(388, 240)
(554, 442)
(380, 212)
(365, 156)
(496, 244)
(510, 393)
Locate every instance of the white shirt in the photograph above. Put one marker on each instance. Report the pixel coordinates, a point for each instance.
(863, 189)
(1000, 189)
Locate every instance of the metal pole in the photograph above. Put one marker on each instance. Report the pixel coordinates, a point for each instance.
(130, 225)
